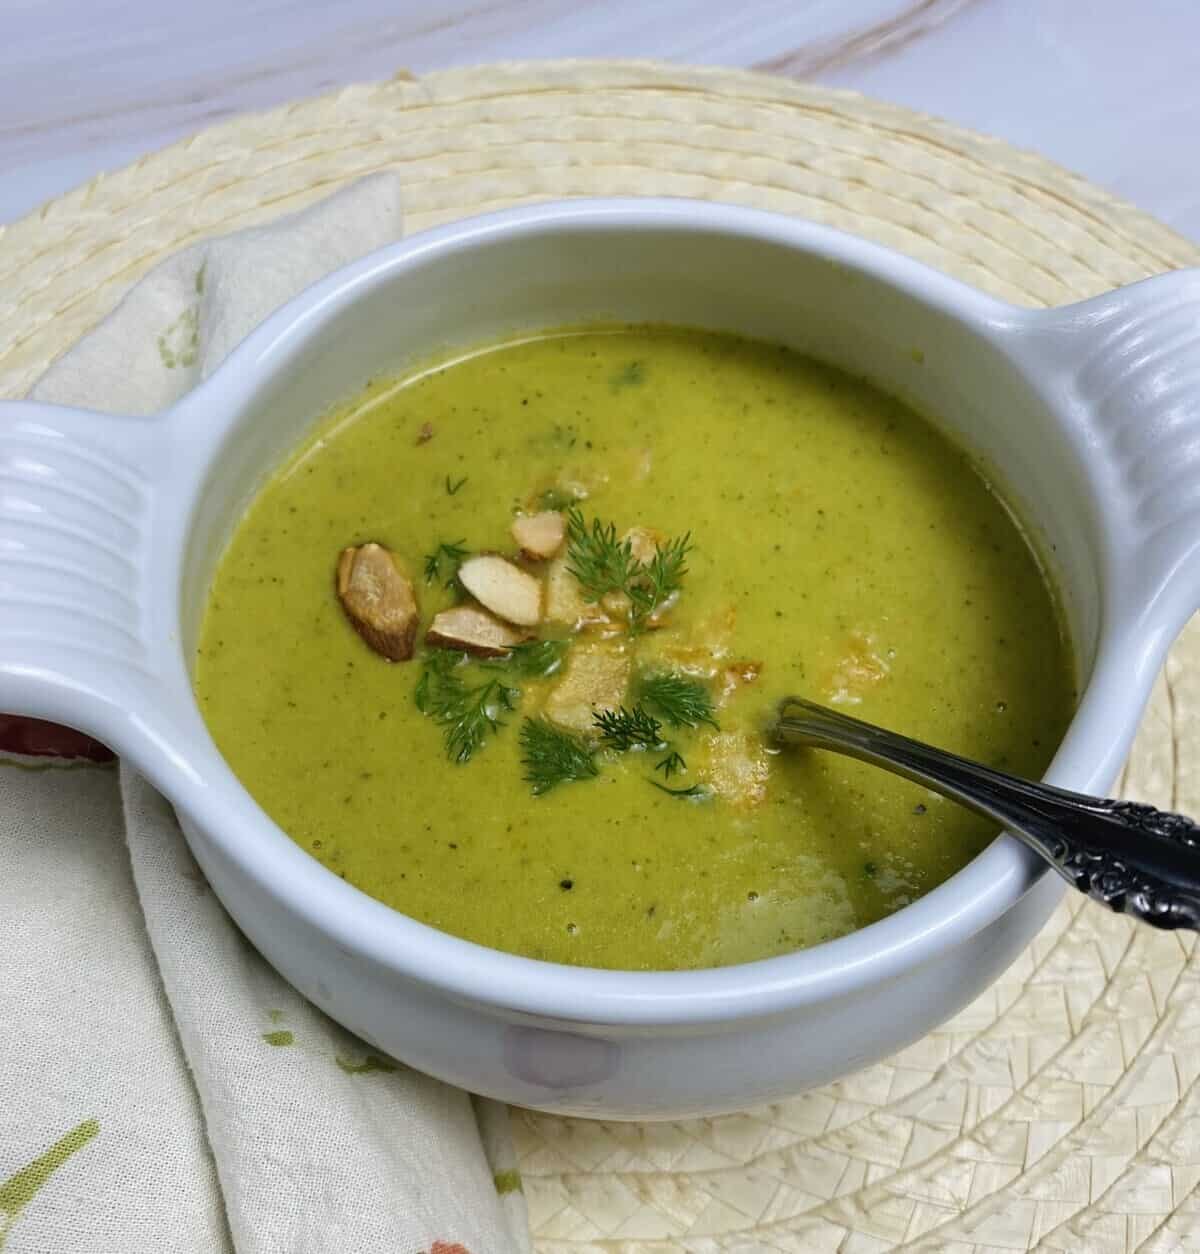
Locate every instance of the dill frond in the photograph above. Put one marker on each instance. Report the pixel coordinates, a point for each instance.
(552, 756)
(467, 714)
(535, 659)
(672, 764)
(452, 553)
(697, 792)
(623, 729)
(681, 701)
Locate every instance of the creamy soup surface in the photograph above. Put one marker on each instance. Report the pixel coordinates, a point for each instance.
(785, 528)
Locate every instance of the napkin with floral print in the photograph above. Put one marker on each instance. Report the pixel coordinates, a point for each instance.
(161, 1087)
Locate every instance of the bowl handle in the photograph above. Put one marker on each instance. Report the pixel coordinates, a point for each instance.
(1127, 366)
(77, 511)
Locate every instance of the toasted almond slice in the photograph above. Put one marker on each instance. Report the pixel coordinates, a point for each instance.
(379, 600)
(505, 589)
(596, 679)
(473, 630)
(540, 535)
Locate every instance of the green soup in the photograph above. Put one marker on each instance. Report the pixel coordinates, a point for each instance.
(840, 549)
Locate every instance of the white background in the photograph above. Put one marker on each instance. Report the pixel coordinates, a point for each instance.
(1110, 88)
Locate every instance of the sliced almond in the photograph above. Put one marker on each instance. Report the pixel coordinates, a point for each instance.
(473, 630)
(379, 600)
(540, 535)
(596, 679)
(565, 602)
(507, 590)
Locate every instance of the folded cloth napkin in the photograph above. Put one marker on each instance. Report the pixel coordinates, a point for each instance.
(161, 1087)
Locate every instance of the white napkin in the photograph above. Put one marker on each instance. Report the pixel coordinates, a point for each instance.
(161, 1087)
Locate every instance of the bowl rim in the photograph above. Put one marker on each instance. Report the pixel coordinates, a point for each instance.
(208, 793)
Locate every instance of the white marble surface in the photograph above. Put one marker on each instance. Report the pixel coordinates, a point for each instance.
(1106, 87)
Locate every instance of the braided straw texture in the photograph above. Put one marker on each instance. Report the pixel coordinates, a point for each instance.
(1059, 1112)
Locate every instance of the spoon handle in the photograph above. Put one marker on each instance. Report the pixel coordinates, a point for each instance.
(1132, 858)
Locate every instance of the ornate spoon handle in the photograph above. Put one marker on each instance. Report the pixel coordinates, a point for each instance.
(1133, 858)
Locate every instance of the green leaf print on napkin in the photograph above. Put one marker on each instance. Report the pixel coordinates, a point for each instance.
(372, 1062)
(508, 1181)
(177, 344)
(22, 1187)
(180, 341)
(279, 1037)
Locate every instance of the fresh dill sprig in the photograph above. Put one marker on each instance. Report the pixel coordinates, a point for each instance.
(453, 553)
(552, 756)
(682, 702)
(535, 659)
(452, 488)
(467, 714)
(659, 579)
(623, 729)
(438, 683)
(598, 560)
(697, 792)
(602, 564)
(466, 732)
(672, 764)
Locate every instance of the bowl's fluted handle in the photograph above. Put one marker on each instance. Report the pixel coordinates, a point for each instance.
(1128, 364)
(77, 512)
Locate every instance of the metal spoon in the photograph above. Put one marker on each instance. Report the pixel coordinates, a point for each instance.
(1132, 858)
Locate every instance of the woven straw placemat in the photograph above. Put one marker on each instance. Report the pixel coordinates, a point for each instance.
(1059, 1111)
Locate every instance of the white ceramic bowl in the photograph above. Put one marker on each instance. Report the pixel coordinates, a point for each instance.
(1086, 417)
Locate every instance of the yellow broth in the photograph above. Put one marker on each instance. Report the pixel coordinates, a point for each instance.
(840, 543)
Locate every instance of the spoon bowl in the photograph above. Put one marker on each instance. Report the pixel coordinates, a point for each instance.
(1132, 858)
